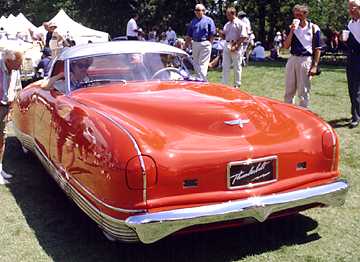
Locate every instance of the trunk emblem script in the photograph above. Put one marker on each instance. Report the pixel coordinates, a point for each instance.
(238, 122)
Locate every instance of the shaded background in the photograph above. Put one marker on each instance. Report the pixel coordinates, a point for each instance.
(111, 16)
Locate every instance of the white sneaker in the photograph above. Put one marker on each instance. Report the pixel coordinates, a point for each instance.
(3, 181)
(24, 150)
(5, 175)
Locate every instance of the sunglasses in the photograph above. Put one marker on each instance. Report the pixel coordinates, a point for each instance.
(199, 10)
(82, 65)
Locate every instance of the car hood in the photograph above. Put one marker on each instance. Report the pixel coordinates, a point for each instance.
(176, 114)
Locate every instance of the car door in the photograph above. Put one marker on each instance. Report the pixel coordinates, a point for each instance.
(44, 102)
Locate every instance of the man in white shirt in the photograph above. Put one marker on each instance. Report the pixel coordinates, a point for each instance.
(305, 45)
(132, 28)
(249, 42)
(170, 36)
(258, 54)
(235, 34)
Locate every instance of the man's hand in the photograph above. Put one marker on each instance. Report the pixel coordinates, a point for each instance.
(234, 47)
(313, 70)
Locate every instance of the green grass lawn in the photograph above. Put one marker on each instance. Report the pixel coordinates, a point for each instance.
(38, 222)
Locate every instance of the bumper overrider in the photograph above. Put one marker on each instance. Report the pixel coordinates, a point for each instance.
(151, 227)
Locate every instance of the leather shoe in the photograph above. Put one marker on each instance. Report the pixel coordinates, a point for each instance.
(354, 124)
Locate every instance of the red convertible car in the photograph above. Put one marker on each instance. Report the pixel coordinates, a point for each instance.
(147, 148)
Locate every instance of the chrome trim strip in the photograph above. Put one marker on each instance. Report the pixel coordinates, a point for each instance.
(152, 227)
(30, 144)
(250, 161)
(67, 76)
(136, 146)
(333, 135)
(103, 203)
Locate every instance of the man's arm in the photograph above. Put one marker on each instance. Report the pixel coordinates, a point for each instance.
(316, 49)
(188, 37)
(243, 35)
(288, 40)
(212, 30)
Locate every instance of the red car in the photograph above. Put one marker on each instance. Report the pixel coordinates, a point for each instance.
(147, 148)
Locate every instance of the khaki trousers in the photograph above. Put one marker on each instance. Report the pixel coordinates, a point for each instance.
(235, 59)
(297, 80)
(4, 110)
(201, 52)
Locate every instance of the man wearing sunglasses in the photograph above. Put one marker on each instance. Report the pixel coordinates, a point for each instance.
(200, 34)
(79, 72)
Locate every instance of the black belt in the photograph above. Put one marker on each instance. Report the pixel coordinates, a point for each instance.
(301, 55)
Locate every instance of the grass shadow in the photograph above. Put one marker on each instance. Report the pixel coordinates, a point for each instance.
(67, 234)
(339, 123)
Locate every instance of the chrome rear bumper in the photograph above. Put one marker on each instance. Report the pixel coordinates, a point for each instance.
(152, 227)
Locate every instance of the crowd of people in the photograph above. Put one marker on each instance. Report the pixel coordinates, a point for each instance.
(303, 40)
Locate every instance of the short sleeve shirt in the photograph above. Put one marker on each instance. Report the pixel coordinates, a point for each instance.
(170, 35)
(131, 27)
(353, 43)
(45, 64)
(302, 41)
(201, 29)
(234, 30)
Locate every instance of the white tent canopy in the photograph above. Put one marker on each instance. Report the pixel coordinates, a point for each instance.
(3, 21)
(25, 22)
(81, 34)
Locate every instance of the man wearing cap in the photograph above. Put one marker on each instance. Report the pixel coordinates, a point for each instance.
(200, 34)
(278, 42)
(235, 34)
(304, 41)
(10, 60)
(258, 54)
(56, 39)
(249, 42)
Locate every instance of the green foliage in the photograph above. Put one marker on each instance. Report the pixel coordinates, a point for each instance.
(267, 16)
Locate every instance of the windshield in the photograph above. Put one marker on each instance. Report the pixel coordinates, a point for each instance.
(104, 69)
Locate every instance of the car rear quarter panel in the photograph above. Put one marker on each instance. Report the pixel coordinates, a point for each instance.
(94, 152)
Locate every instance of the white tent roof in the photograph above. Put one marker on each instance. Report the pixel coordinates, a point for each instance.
(13, 25)
(25, 22)
(3, 21)
(81, 34)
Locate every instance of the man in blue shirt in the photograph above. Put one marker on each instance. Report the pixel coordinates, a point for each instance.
(201, 32)
(304, 40)
(44, 64)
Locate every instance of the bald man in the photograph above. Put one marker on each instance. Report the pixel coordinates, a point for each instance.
(10, 60)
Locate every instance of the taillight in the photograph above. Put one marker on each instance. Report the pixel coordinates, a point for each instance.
(329, 144)
(141, 173)
(330, 148)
